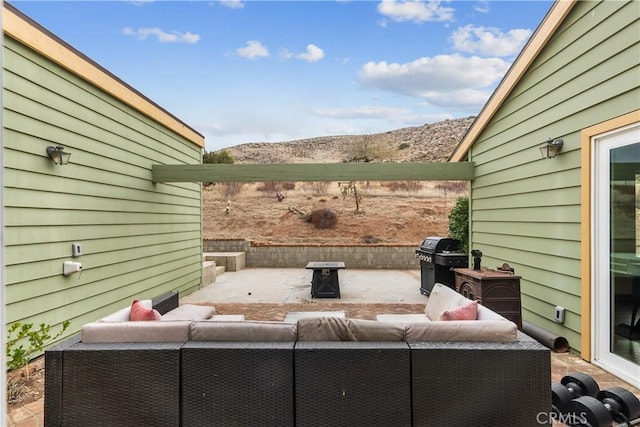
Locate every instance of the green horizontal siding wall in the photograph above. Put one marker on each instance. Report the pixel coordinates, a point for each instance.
(526, 210)
(139, 238)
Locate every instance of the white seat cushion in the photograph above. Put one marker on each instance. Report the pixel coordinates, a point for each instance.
(250, 331)
(189, 312)
(402, 318)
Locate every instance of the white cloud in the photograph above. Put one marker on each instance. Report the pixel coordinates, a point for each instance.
(161, 36)
(140, 2)
(461, 99)
(482, 6)
(313, 54)
(232, 4)
(489, 40)
(440, 80)
(416, 11)
(254, 49)
(362, 112)
(285, 53)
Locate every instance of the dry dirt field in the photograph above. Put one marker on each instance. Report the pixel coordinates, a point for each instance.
(385, 216)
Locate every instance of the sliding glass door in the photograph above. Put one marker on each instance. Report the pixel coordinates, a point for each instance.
(616, 263)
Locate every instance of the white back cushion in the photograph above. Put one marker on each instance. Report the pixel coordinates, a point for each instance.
(146, 331)
(442, 298)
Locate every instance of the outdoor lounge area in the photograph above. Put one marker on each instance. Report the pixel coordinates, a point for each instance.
(365, 372)
(185, 369)
(126, 217)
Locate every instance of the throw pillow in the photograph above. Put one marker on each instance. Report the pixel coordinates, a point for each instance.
(463, 312)
(140, 312)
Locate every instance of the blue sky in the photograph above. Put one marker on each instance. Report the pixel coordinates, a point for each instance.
(265, 71)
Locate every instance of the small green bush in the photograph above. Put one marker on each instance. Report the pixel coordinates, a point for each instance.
(459, 222)
(404, 146)
(19, 357)
(222, 156)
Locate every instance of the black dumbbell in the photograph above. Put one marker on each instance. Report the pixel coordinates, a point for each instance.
(570, 387)
(613, 404)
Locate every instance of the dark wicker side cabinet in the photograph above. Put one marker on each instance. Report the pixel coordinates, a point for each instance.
(494, 289)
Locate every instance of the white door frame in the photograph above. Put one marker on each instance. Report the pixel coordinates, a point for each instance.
(600, 283)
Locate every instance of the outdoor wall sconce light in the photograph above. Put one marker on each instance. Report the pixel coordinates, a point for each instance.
(58, 155)
(551, 148)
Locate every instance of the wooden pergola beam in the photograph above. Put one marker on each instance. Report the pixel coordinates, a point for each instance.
(435, 171)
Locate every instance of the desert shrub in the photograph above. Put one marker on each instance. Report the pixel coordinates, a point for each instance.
(459, 222)
(392, 186)
(369, 239)
(413, 186)
(274, 187)
(229, 189)
(367, 148)
(270, 157)
(318, 188)
(404, 146)
(271, 187)
(288, 186)
(452, 186)
(324, 218)
(408, 186)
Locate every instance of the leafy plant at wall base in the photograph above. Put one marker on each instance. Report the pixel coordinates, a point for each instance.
(19, 357)
(459, 223)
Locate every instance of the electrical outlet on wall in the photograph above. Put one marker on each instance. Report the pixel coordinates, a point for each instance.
(559, 314)
(76, 249)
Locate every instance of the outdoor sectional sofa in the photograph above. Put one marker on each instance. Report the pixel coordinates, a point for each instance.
(320, 371)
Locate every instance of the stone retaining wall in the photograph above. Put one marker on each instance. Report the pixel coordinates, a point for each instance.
(297, 256)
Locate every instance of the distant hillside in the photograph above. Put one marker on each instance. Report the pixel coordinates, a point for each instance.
(429, 143)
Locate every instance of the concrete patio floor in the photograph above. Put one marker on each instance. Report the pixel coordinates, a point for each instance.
(293, 285)
(359, 288)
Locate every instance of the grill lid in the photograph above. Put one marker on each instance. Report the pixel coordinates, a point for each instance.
(440, 244)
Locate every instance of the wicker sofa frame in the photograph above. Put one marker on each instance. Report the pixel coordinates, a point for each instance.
(296, 383)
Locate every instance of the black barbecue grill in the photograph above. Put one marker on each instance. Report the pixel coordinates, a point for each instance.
(438, 255)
